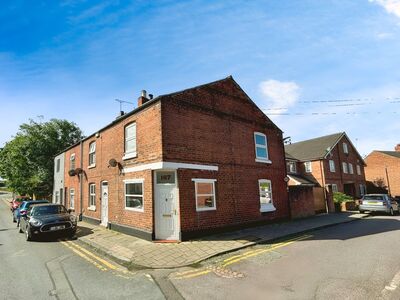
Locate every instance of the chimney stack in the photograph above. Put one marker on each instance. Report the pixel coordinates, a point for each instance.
(397, 148)
(143, 98)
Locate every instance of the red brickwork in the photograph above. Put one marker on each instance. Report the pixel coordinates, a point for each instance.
(301, 201)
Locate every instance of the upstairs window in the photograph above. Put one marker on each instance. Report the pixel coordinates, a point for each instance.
(291, 167)
(332, 165)
(345, 170)
(130, 141)
(72, 162)
(261, 146)
(358, 170)
(58, 165)
(307, 167)
(345, 148)
(92, 154)
(351, 170)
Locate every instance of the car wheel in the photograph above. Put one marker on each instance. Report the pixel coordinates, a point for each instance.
(28, 236)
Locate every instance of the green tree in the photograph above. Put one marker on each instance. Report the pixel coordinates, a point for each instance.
(27, 161)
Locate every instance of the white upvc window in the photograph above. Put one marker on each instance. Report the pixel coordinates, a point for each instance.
(332, 165)
(58, 165)
(265, 190)
(92, 154)
(362, 189)
(334, 188)
(358, 170)
(57, 200)
(291, 167)
(261, 147)
(134, 196)
(345, 148)
(307, 167)
(72, 162)
(130, 141)
(351, 170)
(71, 198)
(205, 194)
(344, 165)
(92, 196)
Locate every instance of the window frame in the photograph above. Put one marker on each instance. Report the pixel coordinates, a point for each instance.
(205, 180)
(351, 169)
(345, 148)
(358, 169)
(362, 189)
(309, 163)
(345, 168)
(72, 193)
(294, 165)
(335, 190)
(58, 165)
(130, 181)
(258, 158)
(266, 207)
(92, 155)
(72, 161)
(57, 197)
(332, 167)
(92, 206)
(133, 153)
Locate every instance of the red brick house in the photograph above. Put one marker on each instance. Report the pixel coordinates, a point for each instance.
(331, 162)
(383, 170)
(181, 165)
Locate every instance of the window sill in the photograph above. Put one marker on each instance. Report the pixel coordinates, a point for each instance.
(92, 208)
(265, 161)
(134, 209)
(129, 155)
(267, 208)
(205, 209)
(91, 166)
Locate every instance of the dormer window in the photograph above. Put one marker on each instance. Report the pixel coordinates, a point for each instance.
(307, 167)
(261, 147)
(291, 167)
(130, 141)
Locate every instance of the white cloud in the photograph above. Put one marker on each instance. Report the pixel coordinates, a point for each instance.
(279, 94)
(391, 6)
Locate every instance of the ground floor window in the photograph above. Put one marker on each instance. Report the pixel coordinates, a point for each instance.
(71, 198)
(134, 194)
(334, 188)
(205, 194)
(57, 198)
(362, 189)
(265, 189)
(92, 196)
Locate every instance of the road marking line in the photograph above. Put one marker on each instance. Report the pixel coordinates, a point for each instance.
(103, 261)
(237, 258)
(96, 264)
(394, 284)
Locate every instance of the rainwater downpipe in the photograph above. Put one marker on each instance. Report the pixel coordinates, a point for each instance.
(81, 184)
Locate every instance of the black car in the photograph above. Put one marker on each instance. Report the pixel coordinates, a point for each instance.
(47, 219)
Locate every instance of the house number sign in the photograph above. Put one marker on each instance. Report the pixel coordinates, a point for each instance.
(165, 177)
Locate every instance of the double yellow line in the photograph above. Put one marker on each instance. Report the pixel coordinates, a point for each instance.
(98, 262)
(236, 258)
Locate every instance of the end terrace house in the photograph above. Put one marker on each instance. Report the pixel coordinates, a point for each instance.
(181, 165)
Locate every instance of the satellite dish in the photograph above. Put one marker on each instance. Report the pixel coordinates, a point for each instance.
(78, 170)
(112, 162)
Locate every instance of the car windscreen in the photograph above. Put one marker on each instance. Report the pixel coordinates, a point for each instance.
(374, 197)
(47, 210)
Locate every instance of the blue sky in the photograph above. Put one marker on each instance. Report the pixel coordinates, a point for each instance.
(71, 59)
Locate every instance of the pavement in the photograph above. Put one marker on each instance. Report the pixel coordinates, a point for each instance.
(136, 253)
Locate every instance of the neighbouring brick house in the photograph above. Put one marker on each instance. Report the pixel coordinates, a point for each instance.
(331, 162)
(383, 170)
(181, 165)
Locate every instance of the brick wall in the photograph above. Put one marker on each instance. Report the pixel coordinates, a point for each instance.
(377, 162)
(301, 201)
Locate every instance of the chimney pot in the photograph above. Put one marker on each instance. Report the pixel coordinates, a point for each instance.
(143, 98)
(150, 96)
(144, 94)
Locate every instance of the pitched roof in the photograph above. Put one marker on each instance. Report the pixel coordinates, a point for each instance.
(391, 153)
(302, 180)
(313, 149)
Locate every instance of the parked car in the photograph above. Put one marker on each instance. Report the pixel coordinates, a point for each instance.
(380, 203)
(47, 219)
(23, 208)
(15, 203)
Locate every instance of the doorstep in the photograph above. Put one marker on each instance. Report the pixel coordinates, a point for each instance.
(134, 252)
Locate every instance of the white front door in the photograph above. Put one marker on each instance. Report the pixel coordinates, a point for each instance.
(104, 203)
(166, 206)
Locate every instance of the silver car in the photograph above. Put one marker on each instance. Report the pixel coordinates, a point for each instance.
(380, 203)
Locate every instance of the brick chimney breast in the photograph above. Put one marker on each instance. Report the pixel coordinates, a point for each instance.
(143, 98)
(397, 148)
